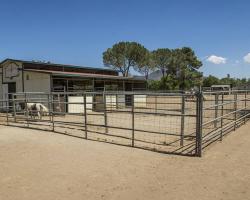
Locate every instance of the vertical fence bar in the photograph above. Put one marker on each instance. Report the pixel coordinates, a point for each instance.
(182, 120)
(26, 109)
(216, 110)
(49, 106)
(245, 112)
(133, 120)
(105, 112)
(59, 102)
(64, 100)
(199, 110)
(52, 111)
(155, 103)
(235, 110)
(7, 111)
(222, 113)
(85, 116)
(116, 101)
(13, 107)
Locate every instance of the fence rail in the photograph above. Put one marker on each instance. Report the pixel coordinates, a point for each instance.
(177, 123)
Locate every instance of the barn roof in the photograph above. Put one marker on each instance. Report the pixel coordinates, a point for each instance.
(86, 75)
(55, 64)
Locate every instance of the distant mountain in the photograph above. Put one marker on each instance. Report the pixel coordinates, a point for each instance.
(156, 75)
(139, 77)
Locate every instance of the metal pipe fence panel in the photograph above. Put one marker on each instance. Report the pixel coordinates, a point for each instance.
(223, 113)
(177, 123)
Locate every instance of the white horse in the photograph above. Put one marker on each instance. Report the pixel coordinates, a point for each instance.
(33, 109)
(38, 109)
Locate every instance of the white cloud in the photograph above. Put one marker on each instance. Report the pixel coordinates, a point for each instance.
(247, 58)
(216, 59)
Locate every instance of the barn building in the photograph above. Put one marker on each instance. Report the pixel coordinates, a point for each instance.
(30, 76)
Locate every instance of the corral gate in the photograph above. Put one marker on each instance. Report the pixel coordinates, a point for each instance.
(177, 123)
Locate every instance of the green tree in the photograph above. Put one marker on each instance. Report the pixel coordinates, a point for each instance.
(146, 66)
(210, 80)
(184, 66)
(166, 83)
(125, 55)
(162, 60)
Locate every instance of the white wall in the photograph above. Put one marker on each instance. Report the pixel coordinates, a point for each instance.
(79, 106)
(121, 101)
(140, 101)
(36, 82)
(111, 101)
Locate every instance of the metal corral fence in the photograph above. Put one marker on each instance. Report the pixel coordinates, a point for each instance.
(177, 123)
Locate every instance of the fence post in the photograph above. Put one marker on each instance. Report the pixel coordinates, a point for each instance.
(235, 110)
(26, 109)
(133, 120)
(216, 110)
(222, 113)
(7, 111)
(105, 112)
(156, 104)
(116, 101)
(13, 107)
(182, 120)
(49, 106)
(245, 113)
(85, 116)
(52, 111)
(199, 109)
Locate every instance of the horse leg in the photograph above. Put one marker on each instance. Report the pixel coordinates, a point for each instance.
(38, 114)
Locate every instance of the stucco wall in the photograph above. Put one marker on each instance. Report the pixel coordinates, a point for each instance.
(36, 82)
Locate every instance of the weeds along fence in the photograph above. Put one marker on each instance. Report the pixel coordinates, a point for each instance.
(177, 123)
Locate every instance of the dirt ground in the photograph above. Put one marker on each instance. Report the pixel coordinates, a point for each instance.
(45, 165)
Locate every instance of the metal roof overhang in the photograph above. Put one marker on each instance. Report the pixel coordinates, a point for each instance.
(54, 64)
(83, 75)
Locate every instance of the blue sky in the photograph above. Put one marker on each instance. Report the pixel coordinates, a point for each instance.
(77, 32)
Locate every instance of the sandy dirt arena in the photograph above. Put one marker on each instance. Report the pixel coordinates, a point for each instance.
(45, 165)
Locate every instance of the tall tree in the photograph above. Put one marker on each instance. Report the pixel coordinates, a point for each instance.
(124, 55)
(185, 65)
(210, 80)
(146, 66)
(162, 59)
